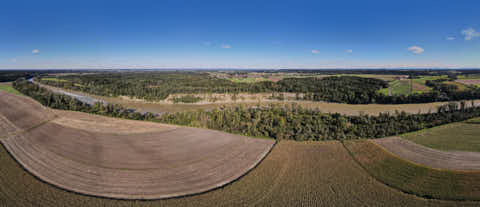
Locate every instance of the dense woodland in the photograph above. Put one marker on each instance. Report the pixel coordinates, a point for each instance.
(7, 76)
(343, 89)
(277, 122)
(296, 123)
(159, 85)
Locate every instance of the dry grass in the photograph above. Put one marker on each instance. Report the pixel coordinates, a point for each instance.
(348, 109)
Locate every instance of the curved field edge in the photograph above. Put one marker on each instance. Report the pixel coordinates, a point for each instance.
(26, 158)
(460, 136)
(293, 174)
(72, 188)
(413, 178)
(4, 147)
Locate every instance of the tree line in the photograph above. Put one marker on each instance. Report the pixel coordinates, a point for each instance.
(154, 86)
(65, 102)
(296, 123)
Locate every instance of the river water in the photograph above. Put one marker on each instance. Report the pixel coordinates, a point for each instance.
(82, 98)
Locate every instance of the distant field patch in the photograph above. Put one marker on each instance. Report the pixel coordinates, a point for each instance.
(460, 86)
(54, 79)
(7, 87)
(248, 80)
(415, 179)
(469, 81)
(463, 136)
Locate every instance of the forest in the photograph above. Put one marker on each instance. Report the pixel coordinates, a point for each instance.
(278, 122)
(154, 86)
(295, 123)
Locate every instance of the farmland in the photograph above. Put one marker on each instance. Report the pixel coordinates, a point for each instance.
(166, 161)
(450, 160)
(294, 173)
(413, 178)
(462, 136)
(403, 87)
(7, 87)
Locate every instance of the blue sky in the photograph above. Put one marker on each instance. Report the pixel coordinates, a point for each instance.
(239, 34)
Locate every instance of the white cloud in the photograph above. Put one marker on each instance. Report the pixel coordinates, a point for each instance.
(450, 38)
(226, 46)
(35, 51)
(315, 51)
(349, 51)
(470, 33)
(416, 49)
(13, 60)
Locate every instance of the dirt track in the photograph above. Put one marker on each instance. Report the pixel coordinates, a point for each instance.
(116, 159)
(430, 157)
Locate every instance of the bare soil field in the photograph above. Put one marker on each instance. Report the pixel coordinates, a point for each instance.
(469, 81)
(293, 174)
(451, 160)
(151, 162)
(102, 124)
(23, 112)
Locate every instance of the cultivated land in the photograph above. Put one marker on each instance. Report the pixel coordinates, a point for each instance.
(150, 162)
(452, 160)
(7, 87)
(293, 174)
(462, 136)
(413, 178)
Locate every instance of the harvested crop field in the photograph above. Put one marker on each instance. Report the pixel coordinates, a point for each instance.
(138, 160)
(469, 81)
(413, 178)
(451, 160)
(293, 174)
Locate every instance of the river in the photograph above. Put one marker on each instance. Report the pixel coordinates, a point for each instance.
(82, 98)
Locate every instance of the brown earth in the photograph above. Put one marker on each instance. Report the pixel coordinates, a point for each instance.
(125, 159)
(469, 81)
(293, 174)
(451, 160)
